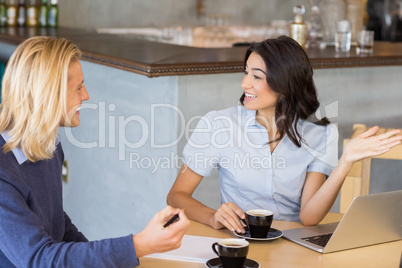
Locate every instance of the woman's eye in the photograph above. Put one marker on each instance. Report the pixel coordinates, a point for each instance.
(257, 77)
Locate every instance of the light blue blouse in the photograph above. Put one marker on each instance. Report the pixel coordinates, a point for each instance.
(250, 176)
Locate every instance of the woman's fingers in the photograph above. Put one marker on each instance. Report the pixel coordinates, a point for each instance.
(388, 134)
(368, 144)
(369, 132)
(384, 141)
(229, 215)
(385, 148)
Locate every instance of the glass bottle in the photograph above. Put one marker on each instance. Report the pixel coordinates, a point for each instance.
(21, 13)
(3, 13)
(32, 13)
(315, 29)
(53, 19)
(331, 11)
(12, 12)
(298, 29)
(43, 13)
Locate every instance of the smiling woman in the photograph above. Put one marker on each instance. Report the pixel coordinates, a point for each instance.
(289, 80)
(257, 93)
(275, 121)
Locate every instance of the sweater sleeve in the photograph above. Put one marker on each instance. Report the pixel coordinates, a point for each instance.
(71, 233)
(25, 243)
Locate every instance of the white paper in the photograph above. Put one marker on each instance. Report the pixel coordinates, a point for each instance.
(193, 248)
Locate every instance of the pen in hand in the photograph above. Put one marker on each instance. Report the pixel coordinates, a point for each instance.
(172, 220)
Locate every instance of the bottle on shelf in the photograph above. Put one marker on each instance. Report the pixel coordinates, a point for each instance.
(53, 19)
(315, 29)
(298, 29)
(12, 12)
(3, 13)
(32, 13)
(21, 13)
(43, 13)
(332, 11)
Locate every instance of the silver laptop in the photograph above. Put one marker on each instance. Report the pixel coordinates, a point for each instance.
(370, 219)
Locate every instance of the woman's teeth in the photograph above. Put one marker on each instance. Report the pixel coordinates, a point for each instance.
(249, 96)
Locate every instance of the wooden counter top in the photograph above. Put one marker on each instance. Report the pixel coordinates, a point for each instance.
(157, 59)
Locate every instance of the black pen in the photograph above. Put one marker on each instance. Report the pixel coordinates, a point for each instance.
(172, 220)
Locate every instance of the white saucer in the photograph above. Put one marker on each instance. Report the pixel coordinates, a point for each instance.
(272, 235)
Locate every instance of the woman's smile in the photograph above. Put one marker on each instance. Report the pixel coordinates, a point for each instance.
(249, 97)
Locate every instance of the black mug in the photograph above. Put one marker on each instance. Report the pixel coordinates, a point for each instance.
(259, 222)
(231, 251)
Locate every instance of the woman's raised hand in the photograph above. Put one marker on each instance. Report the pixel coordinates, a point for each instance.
(367, 144)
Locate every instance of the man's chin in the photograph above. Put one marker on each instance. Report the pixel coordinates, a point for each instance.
(70, 124)
(75, 124)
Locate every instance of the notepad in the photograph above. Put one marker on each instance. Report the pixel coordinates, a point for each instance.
(193, 249)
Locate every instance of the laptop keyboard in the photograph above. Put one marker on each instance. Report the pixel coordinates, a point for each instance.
(320, 240)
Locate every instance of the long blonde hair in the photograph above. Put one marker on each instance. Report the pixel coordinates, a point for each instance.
(34, 91)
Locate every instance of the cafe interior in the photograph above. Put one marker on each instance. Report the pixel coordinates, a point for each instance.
(154, 68)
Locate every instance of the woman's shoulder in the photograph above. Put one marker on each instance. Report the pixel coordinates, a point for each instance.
(307, 127)
(314, 135)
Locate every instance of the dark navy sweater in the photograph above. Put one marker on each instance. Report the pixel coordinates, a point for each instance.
(34, 229)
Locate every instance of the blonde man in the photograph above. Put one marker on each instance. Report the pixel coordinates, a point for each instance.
(43, 89)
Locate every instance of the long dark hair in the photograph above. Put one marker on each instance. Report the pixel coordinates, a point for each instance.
(289, 73)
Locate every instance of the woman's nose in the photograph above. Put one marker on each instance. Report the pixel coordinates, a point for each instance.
(245, 82)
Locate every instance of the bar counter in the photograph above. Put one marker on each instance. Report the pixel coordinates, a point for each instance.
(154, 59)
